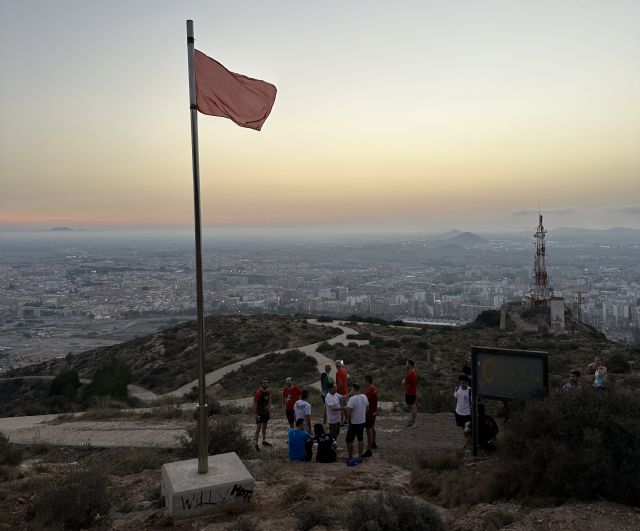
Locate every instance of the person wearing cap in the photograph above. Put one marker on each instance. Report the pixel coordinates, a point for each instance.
(261, 408)
(342, 383)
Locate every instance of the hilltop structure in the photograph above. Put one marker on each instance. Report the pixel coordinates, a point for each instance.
(540, 292)
(544, 307)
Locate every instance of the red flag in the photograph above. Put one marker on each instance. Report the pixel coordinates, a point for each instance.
(244, 100)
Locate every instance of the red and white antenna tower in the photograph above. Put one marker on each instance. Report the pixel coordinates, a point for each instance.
(540, 291)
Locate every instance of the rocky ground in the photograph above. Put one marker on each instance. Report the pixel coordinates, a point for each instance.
(286, 492)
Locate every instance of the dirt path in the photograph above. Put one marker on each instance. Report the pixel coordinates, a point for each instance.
(215, 376)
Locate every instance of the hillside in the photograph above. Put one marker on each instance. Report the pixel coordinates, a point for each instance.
(167, 359)
(422, 464)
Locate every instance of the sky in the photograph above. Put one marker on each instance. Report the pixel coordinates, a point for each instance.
(412, 115)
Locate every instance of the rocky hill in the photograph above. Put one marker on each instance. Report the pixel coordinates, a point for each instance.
(167, 359)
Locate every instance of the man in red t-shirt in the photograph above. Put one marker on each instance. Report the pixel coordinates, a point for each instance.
(290, 395)
(410, 383)
(341, 384)
(261, 408)
(370, 420)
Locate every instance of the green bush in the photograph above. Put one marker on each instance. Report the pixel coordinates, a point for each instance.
(391, 512)
(65, 384)
(225, 435)
(490, 318)
(583, 444)
(72, 501)
(110, 380)
(324, 347)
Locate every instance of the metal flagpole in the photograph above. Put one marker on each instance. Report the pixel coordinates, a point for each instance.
(203, 453)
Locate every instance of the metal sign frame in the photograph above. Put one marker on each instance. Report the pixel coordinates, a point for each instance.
(544, 356)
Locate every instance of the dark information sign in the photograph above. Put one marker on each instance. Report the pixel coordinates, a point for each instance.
(509, 374)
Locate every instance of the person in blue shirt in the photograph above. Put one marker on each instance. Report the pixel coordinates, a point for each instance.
(299, 449)
(600, 376)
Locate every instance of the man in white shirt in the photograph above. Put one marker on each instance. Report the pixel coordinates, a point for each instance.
(302, 410)
(333, 407)
(356, 411)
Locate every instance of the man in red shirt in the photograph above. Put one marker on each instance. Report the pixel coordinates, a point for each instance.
(341, 383)
(290, 395)
(370, 420)
(410, 383)
(261, 408)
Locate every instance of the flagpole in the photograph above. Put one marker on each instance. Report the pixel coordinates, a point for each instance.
(203, 453)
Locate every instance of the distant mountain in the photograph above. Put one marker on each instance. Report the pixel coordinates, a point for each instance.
(60, 229)
(447, 235)
(467, 238)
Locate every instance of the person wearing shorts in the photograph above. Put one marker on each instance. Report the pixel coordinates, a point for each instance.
(290, 395)
(261, 408)
(356, 412)
(333, 410)
(410, 383)
(462, 396)
(370, 420)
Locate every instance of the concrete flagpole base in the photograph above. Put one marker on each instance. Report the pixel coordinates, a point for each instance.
(188, 493)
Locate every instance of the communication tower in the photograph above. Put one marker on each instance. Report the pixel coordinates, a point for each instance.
(540, 293)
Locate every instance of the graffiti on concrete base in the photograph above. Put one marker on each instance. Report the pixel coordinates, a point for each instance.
(215, 497)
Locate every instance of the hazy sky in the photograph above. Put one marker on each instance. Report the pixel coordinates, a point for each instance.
(389, 115)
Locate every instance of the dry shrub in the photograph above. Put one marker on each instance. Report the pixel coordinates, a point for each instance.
(496, 520)
(312, 514)
(297, 492)
(582, 444)
(10, 454)
(72, 501)
(225, 435)
(384, 511)
(242, 523)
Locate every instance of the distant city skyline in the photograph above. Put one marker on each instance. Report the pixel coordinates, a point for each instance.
(425, 116)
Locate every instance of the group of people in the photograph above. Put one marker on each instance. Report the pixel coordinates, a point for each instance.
(345, 404)
(599, 377)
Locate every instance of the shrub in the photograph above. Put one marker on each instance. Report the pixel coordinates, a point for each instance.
(314, 513)
(442, 461)
(580, 444)
(65, 384)
(225, 435)
(618, 363)
(110, 380)
(242, 523)
(72, 501)
(433, 400)
(324, 347)
(386, 511)
(10, 454)
(489, 318)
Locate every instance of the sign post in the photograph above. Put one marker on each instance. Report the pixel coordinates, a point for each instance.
(504, 374)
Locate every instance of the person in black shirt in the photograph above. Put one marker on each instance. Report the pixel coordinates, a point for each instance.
(326, 445)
